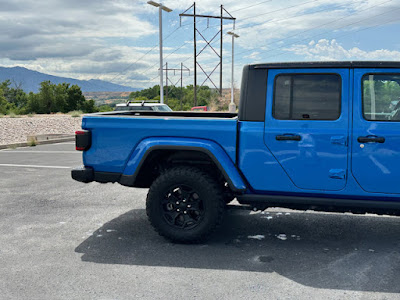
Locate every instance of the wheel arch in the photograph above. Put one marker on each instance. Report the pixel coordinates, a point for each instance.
(154, 153)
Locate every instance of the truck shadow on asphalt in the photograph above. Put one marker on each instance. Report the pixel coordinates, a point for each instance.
(329, 251)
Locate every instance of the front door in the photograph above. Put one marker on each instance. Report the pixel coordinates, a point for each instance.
(307, 125)
(376, 130)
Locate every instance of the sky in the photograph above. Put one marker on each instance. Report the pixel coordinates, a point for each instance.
(117, 40)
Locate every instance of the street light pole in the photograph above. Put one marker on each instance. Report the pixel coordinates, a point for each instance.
(161, 54)
(232, 105)
(160, 9)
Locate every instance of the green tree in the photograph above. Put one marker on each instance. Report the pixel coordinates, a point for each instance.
(141, 98)
(46, 98)
(75, 99)
(149, 93)
(60, 97)
(3, 103)
(14, 95)
(88, 106)
(33, 104)
(205, 96)
(51, 98)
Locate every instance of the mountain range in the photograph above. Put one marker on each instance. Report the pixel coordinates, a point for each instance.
(30, 81)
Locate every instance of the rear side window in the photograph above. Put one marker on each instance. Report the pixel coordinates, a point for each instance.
(381, 97)
(307, 97)
(162, 108)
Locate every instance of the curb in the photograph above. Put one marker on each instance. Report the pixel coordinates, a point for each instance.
(38, 142)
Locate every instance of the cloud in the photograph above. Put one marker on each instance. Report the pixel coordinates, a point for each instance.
(253, 55)
(102, 39)
(332, 50)
(37, 29)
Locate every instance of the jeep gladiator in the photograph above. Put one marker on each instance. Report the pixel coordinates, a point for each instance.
(313, 135)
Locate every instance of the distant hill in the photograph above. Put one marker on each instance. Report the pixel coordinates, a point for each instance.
(30, 81)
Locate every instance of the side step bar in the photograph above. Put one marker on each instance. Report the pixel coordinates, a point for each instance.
(261, 202)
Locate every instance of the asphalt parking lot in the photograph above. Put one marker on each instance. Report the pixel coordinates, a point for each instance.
(62, 239)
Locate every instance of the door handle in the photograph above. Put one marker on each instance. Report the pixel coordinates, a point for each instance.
(288, 137)
(371, 139)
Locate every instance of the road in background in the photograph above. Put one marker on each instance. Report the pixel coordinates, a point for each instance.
(62, 239)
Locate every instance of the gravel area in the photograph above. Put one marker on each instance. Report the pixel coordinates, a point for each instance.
(16, 130)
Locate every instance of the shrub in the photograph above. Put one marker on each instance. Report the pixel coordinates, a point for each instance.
(32, 142)
(75, 113)
(105, 108)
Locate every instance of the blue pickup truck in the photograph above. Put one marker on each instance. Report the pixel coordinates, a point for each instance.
(313, 135)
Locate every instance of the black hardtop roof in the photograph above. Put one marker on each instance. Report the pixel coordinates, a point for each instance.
(327, 64)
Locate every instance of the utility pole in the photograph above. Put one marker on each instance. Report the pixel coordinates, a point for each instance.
(208, 44)
(160, 9)
(180, 94)
(182, 69)
(232, 105)
(166, 82)
(220, 51)
(195, 53)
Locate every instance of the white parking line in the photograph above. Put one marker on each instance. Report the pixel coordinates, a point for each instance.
(51, 151)
(34, 166)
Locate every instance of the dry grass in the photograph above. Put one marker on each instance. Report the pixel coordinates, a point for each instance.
(32, 142)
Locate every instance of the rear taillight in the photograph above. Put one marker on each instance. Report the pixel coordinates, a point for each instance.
(83, 140)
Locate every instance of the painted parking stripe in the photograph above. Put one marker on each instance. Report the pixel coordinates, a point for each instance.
(51, 151)
(34, 166)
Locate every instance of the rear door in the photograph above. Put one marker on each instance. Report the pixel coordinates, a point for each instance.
(307, 126)
(376, 130)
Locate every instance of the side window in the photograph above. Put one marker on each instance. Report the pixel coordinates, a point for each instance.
(139, 107)
(381, 97)
(307, 97)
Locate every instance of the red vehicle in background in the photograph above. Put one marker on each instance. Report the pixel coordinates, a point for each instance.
(199, 108)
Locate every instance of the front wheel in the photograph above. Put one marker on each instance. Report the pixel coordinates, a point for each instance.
(185, 204)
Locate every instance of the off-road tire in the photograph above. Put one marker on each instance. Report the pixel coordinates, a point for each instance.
(199, 188)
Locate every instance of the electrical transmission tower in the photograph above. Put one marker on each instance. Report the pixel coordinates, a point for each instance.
(208, 44)
(182, 69)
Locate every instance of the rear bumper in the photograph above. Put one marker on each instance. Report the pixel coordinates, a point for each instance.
(83, 174)
(87, 174)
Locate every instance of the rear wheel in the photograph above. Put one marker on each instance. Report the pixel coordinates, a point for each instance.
(185, 204)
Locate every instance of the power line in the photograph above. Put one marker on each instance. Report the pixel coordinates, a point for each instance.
(274, 11)
(294, 16)
(148, 69)
(270, 12)
(321, 25)
(366, 28)
(299, 41)
(310, 28)
(154, 47)
(288, 36)
(174, 51)
(251, 6)
(303, 40)
(132, 64)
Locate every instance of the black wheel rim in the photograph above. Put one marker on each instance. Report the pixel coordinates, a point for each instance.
(182, 207)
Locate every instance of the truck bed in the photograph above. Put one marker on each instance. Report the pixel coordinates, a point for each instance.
(115, 135)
